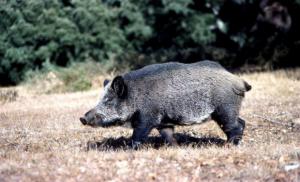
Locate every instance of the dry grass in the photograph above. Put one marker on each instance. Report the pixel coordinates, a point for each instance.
(41, 139)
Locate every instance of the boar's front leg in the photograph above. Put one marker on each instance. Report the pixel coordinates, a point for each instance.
(141, 130)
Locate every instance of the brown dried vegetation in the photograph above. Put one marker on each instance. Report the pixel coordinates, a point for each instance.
(41, 139)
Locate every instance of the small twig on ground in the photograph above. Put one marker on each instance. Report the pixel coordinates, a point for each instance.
(270, 120)
(286, 124)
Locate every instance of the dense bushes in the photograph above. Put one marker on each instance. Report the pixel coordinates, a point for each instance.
(34, 32)
(137, 32)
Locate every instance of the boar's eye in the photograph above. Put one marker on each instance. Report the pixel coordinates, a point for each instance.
(107, 99)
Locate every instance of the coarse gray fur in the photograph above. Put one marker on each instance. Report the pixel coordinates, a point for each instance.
(164, 95)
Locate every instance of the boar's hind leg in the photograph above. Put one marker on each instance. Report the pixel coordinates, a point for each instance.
(233, 126)
(166, 133)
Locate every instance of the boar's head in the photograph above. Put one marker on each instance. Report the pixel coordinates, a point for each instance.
(113, 108)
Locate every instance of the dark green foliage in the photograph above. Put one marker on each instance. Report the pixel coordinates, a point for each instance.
(37, 31)
(61, 32)
(134, 33)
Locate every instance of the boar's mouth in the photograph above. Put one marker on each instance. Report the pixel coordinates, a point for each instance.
(115, 122)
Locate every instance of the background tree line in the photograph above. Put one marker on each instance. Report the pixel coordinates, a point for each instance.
(132, 32)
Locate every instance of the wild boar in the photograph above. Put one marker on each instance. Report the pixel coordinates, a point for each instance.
(164, 95)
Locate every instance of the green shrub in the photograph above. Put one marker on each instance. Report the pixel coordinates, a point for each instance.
(37, 31)
(76, 77)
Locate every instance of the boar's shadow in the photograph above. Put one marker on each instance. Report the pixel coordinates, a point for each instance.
(156, 142)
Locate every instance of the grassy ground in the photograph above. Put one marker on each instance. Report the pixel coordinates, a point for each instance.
(41, 139)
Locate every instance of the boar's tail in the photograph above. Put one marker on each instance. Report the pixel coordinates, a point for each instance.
(240, 90)
(247, 86)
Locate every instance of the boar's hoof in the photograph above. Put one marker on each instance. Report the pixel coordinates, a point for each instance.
(235, 140)
(135, 145)
(235, 135)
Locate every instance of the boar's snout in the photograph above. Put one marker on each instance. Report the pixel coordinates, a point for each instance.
(83, 120)
(91, 118)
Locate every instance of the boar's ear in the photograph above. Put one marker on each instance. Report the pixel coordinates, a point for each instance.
(119, 87)
(106, 81)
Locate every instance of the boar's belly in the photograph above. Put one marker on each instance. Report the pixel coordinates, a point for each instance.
(180, 120)
(195, 120)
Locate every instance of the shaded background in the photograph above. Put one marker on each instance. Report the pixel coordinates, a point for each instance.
(248, 34)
